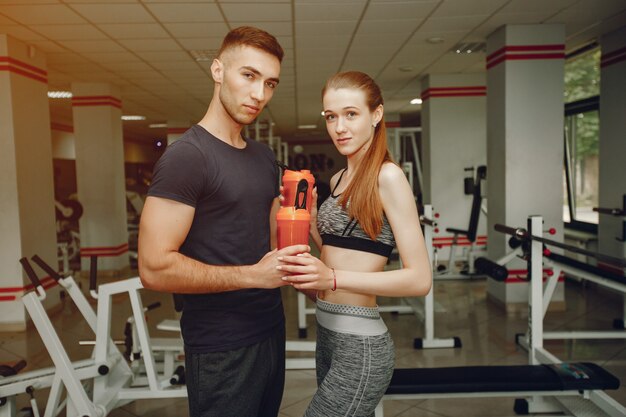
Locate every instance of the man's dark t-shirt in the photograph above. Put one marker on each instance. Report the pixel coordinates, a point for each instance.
(231, 190)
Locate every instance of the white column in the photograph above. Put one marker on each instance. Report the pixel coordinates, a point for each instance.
(525, 77)
(27, 221)
(100, 175)
(454, 138)
(612, 144)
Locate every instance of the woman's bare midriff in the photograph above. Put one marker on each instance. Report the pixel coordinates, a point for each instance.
(355, 261)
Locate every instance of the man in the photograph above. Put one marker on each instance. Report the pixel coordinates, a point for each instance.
(206, 232)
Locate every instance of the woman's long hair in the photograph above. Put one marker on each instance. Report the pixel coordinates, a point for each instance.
(362, 192)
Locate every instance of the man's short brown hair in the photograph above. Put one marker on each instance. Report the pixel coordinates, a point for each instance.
(254, 37)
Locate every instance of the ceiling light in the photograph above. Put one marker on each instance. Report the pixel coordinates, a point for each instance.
(133, 117)
(416, 101)
(469, 47)
(406, 69)
(204, 55)
(307, 126)
(59, 94)
(157, 125)
(435, 39)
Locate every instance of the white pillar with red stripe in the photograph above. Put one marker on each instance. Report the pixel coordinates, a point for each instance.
(175, 130)
(100, 175)
(453, 138)
(525, 77)
(27, 222)
(612, 229)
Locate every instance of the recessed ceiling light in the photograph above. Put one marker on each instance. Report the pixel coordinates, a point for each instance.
(406, 69)
(133, 117)
(416, 101)
(435, 39)
(469, 47)
(59, 94)
(307, 126)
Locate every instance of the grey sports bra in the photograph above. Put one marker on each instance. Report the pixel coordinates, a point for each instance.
(338, 229)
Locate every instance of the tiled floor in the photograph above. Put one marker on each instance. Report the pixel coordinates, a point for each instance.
(463, 310)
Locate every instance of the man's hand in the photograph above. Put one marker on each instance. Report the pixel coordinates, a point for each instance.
(266, 274)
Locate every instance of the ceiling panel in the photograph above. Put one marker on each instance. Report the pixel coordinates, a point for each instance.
(42, 14)
(143, 46)
(197, 30)
(88, 46)
(134, 30)
(107, 57)
(69, 32)
(257, 12)
(400, 10)
(201, 44)
(150, 45)
(326, 10)
(173, 12)
(22, 33)
(113, 13)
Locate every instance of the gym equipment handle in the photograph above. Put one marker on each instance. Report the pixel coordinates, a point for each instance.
(93, 272)
(522, 234)
(152, 306)
(427, 221)
(8, 370)
(611, 211)
(30, 272)
(47, 268)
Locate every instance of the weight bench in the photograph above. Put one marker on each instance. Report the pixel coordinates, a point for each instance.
(562, 379)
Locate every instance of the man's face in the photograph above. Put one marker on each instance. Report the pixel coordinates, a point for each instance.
(250, 77)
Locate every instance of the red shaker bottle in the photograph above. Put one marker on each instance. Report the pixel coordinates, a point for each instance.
(293, 222)
(292, 181)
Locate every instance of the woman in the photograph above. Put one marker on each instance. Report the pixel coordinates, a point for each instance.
(371, 209)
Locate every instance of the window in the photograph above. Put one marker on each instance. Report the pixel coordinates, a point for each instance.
(581, 133)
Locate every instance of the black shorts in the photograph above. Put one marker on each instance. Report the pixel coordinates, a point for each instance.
(245, 382)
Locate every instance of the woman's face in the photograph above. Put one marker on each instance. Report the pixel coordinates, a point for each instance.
(349, 121)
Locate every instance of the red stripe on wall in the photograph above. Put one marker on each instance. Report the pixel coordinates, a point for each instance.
(392, 124)
(619, 58)
(24, 65)
(471, 91)
(23, 73)
(517, 276)
(104, 251)
(8, 298)
(613, 54)
(79, 101)
(526, 48)
(523, 57)
(44, 281)
(483, 237)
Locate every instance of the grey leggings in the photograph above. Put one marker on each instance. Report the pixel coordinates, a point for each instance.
(354, 360)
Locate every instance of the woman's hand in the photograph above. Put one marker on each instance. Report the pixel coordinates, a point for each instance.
(306, 272)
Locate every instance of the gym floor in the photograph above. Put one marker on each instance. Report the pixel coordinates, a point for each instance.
(462, 309)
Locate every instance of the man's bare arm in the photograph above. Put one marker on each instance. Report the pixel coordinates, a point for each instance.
(164, 227)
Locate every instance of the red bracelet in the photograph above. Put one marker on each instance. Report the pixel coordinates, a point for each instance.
(334, 280)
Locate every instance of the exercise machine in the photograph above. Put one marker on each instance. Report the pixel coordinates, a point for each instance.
(111, 381)
(574, 268)
(545, 385)
(429, 340)
(450, 270)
